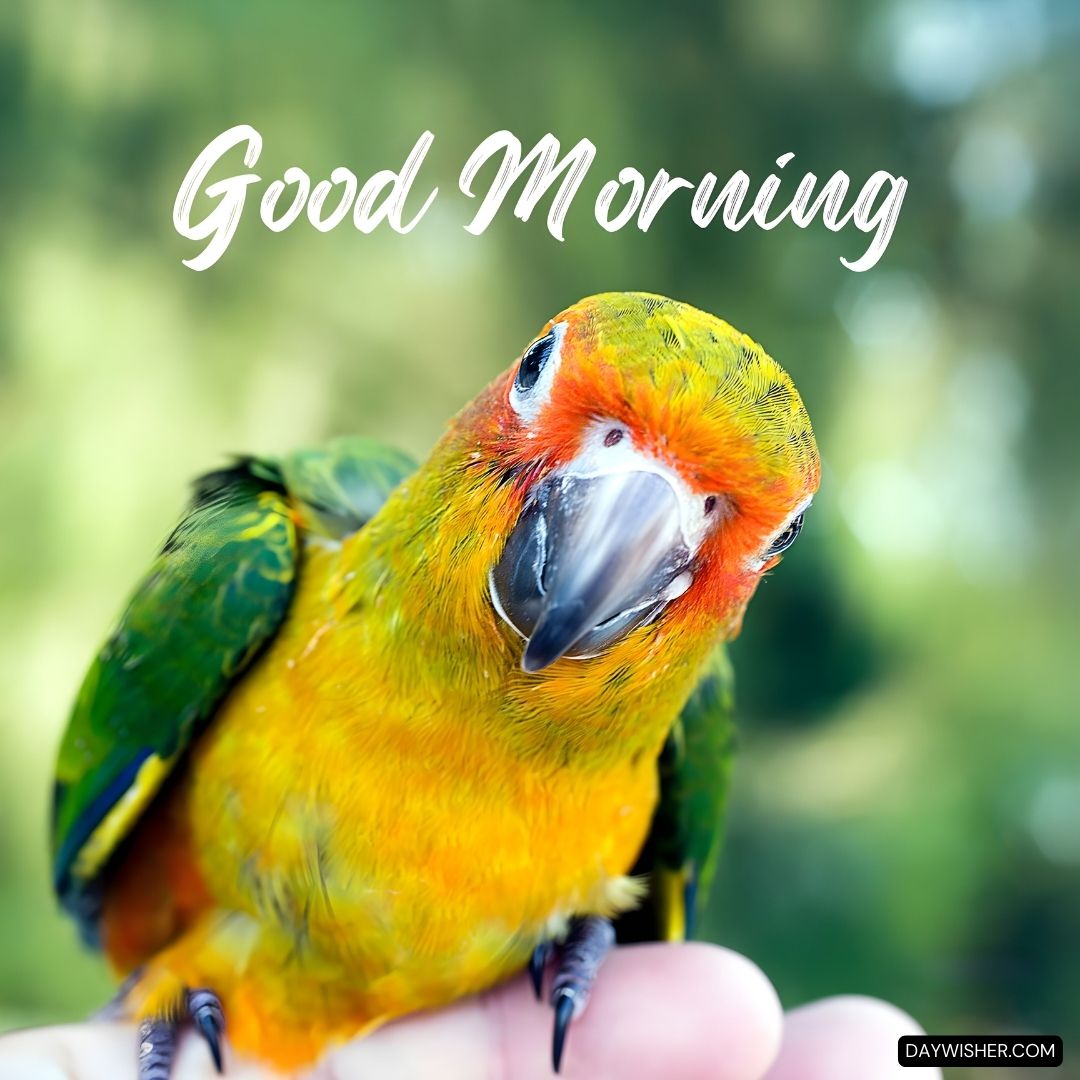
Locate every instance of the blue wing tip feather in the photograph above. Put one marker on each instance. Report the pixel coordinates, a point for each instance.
(690, 892)
(81, 897)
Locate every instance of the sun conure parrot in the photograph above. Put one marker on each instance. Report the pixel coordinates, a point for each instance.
(369, 738)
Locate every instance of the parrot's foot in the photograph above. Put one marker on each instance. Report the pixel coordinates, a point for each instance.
(157, 1038)
(538, 963)
(578, 960)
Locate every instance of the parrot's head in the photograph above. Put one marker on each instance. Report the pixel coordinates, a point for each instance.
(661, 463)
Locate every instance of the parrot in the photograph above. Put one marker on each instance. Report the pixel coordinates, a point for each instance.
(369, 736)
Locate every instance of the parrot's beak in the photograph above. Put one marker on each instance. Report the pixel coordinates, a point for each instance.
(591, 558)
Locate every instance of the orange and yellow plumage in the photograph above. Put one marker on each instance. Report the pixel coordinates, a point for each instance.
(386, 812)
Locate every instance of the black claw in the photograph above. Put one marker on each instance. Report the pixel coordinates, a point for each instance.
(537, 964)
(590, 939)
(157, 1045)
(204, 1007)
(157, 1038)
(564, 1013)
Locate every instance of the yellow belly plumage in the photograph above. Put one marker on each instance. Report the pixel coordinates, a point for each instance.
(365, 838)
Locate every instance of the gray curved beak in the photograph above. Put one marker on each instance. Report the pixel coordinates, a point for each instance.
(590, 559)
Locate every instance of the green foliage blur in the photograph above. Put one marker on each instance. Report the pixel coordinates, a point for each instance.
(906, 816)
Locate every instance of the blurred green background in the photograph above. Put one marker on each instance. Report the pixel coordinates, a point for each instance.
(906, 817)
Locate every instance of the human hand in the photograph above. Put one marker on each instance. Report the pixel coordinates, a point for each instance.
(658, 1011)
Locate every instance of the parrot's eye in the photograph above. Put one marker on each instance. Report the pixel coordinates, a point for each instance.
(786, 538)
(536, 372)
(532, 363)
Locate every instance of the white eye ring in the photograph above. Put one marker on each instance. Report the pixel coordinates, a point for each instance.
(787, 536)
(784, 538)
(527, 401)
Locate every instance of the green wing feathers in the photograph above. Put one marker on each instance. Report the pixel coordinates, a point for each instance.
(215, 595)
(343, 485)
(216, 592)
(684, 841)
